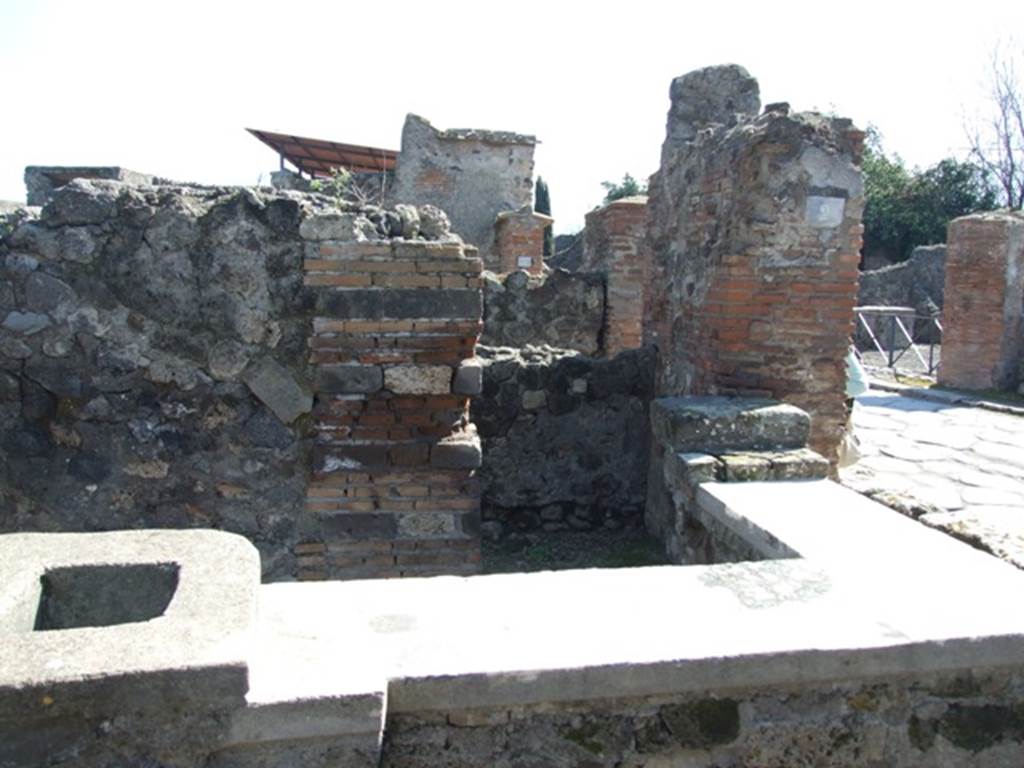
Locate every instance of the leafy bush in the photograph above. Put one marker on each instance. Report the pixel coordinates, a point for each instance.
(628, 187)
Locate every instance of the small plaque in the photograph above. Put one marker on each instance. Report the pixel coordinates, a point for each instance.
(525, 262)
(825, 211)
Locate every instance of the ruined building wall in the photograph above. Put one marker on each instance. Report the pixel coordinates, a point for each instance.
(565, 438)
(918, 282)
(156, 368)
(755, 230)
(562, 309)
(983, 337)
(615, 243)
(472, 175)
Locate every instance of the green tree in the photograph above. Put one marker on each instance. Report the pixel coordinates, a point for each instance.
(628, 187)
(905, 207)
(542, 204)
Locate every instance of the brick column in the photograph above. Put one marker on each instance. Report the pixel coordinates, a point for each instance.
(755, 228)
(614, 242)
(393, 349)
(982, 344)
(519, 236)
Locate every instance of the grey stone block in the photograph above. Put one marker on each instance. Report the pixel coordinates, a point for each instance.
(45, 293)
(26, 323)
(349, 379)
(400, 304)
(278, 389)
(744, 467)
(469, 378)
(685, 471)
(721, 424)
(372, 525)
(333, 225)
(801, 464)
(79, 203)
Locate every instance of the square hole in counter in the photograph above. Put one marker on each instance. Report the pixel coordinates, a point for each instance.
(104, 595)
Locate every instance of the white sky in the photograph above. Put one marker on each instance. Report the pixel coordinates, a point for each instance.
(168, 87)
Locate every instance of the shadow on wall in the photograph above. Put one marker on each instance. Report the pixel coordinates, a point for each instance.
(565, 439)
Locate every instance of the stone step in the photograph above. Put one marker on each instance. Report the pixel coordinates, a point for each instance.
(688, 470)
(717, 425)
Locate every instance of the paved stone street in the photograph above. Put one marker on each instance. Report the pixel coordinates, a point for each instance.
(954, 467)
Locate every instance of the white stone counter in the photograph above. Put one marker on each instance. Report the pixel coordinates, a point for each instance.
(873, 595)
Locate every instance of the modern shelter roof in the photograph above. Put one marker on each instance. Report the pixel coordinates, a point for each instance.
(317, 157)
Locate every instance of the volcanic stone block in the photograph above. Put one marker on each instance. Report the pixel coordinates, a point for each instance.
(349, 379)
(333, 226)
(400, 304)
(278, 389)
(720, 424)
(469, 378)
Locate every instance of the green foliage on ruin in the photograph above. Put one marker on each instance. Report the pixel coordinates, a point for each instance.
(628, 187)
(907, 207)
(542, 204)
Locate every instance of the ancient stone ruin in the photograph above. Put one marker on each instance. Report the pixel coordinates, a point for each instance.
(483, 180)
(754, 230)
(343, 393)
(983, 337)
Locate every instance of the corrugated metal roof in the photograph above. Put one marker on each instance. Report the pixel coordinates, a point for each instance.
(317, 157)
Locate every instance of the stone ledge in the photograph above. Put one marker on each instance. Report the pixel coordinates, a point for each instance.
(719, 424)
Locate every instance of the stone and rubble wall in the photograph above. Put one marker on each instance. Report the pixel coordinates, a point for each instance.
(163, 365)
(41, 181)
(983, 344)
(755, 231)
(559, 309)
(955, 721)
(615, 243)
(565, 439)
(568, 253)
(472, 175)
(918, 283)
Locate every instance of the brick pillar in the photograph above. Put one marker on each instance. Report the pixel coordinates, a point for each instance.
(393, 350)
(982, 344)
(614, 242)
(519, 237)
(755, 230)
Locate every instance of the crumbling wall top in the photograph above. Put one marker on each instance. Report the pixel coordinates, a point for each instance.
(713, 95)
(473, 134)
